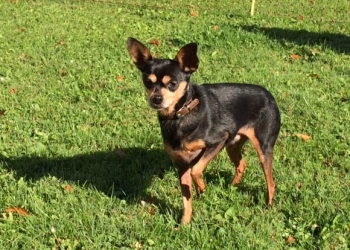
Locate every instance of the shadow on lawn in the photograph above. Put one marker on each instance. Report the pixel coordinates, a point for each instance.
(125, 177)
(338, 42)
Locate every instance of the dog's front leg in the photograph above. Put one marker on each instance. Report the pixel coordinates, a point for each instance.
(186, 190)
(198, 168)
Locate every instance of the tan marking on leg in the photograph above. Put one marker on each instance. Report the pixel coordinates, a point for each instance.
(267, 168)
(166, 79)
(250, 133)
(199, 167)
(153, 78)
(235, 154)
(186, 191)
(266, 162)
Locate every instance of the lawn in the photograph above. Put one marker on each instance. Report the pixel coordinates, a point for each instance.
(82, 164)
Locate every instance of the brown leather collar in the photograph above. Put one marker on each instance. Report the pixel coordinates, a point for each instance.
(187, 107)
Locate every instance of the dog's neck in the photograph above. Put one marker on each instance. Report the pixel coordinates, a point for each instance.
(186, 98)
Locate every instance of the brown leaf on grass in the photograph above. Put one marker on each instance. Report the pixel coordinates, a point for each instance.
(151, 199)
(216, 27)
(13, 91)
(300, 17)
(119, 78)
(291, 240)
(294, 57)
(68, 188)
(119, 152)
(2, 112)
(58, 241)
(17, 210)
(20, 29)
(299, 185)
(303, 137)
(313, 2)
(61, 43)
(62, 72)
(194, 13)
(155, 42)
(152, 210)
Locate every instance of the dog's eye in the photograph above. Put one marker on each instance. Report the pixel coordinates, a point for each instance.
(171, 85)
(148, 83)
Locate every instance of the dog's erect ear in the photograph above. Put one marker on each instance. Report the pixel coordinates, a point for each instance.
(139, 53)
(187, 58)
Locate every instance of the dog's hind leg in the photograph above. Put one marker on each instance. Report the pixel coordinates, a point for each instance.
(234, 151)
(263, 144)
(267, 168)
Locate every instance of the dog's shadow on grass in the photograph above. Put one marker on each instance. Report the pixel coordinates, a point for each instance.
(338, 42)
(126, 174)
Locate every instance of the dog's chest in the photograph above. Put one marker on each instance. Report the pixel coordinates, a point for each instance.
(186, 153)
(181, 142)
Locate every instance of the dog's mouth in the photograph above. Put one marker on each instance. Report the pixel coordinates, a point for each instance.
(160, 106)
(157, 107)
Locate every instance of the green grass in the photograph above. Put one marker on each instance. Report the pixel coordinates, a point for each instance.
(63, 113)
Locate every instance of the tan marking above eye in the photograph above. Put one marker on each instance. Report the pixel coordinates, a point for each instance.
(153, 78)
(166, 79)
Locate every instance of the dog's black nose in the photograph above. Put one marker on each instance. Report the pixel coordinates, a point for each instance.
(157, 99)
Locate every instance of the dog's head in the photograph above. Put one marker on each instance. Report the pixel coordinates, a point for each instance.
(165, 80)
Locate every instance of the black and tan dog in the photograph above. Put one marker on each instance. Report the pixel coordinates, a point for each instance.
(198, 121)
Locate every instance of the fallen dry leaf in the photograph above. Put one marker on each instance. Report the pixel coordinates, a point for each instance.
(151, 199)
(152, 210)
(17, 210)
(13, 91)
(68, 188)
(194, 13)
(62, 72)
(155, 42)
(291, 240)
(315, 76)
(294, 57)
(120, 78)
(62, 43)
(299, 185)
(2, 112)
(58, 241)
(300, 17)
(119, 152)
(304, 137)
(216, 27)
(20, 29)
